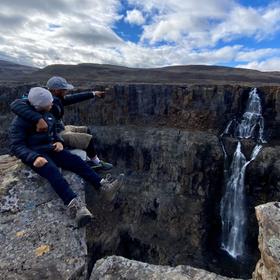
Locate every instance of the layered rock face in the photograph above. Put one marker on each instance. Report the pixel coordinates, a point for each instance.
(206, 108)
(164, 210)
(268, 268)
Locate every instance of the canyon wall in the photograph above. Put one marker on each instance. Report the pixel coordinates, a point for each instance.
(166, 141)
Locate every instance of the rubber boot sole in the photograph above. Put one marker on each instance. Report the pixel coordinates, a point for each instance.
(84, 221)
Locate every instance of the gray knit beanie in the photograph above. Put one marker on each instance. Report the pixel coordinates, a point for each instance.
(40, 97)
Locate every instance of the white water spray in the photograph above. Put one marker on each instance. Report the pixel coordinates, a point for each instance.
(233, 206)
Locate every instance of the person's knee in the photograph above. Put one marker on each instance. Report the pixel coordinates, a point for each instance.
(71, 158)
(48, 171)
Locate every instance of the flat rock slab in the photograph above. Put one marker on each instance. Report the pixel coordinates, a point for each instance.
(115, 267)
(38, 240)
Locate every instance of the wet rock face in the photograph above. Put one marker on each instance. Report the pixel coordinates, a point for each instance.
(262, 185)
(38, 240)
(268, 267)
(263, 180)
(121, 268)
(165, 209)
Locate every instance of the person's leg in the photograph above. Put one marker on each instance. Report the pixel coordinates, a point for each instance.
(59, 184)
(85, 142)
(94, 161)
(91, 152)
(71, 162)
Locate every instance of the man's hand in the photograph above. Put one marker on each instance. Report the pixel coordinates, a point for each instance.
(58, 147)
(99, 94)
(39, 162)
(41, 126)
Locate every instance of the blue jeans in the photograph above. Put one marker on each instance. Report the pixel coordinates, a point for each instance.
(68, 161)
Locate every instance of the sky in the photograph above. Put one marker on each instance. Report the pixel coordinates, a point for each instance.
(142, 33)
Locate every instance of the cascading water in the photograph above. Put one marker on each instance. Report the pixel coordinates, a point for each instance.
(233, 206)
(251, 118)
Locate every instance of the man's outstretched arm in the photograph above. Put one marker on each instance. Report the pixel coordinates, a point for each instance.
(82, 96)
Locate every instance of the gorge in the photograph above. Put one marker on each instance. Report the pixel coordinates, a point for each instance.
(166, 139)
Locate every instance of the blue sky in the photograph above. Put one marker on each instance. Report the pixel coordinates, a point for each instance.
(146, 33)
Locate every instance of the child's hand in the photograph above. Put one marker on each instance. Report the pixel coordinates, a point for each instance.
(41, 126)
(58, 147)
(39, 162)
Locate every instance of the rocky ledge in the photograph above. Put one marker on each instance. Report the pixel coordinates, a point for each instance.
(39, 241)
(268, 267)
(115, 267)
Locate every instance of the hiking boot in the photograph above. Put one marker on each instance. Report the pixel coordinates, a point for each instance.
(111, 186)
(78, 211)
(101, 165)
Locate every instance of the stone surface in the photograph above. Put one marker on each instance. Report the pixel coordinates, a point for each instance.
(38, 240)
(164, 212)
(264, 175)
(120, 268)
(262, 185)
(268, 267)
(165, 139)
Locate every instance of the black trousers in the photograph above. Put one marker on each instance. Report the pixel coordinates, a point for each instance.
(91, 152)
(68, 161)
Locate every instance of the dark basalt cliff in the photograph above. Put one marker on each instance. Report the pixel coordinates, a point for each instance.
(165, 138)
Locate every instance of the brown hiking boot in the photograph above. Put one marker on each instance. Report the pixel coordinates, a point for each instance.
(111, 186)
(79, 211)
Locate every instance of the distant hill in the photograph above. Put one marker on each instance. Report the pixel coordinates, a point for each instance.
(182, 74)
(13, 71)
(172, 74)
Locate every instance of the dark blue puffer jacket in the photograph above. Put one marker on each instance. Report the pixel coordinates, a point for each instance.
(26, 143)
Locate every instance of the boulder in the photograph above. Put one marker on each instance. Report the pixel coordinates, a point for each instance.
(38, 240)
(116, 267)
(268, 267)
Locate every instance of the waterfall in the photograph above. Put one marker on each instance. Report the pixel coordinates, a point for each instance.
(233, 206)
(251, 119)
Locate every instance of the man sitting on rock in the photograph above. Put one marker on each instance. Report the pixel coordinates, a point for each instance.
(73, 136)
(44, 153)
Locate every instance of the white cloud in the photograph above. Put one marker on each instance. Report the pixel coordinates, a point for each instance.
(271, 64)
(175, 20)
(207, 24)
(251, 55)
(81, 23)
(174, 32)
(90, 34)
(241, 21)
(134, 17)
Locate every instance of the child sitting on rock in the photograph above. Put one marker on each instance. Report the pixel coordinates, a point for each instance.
(44, 153)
